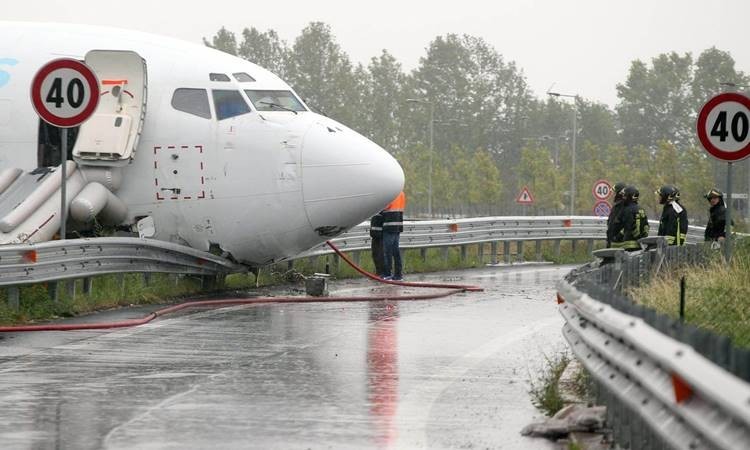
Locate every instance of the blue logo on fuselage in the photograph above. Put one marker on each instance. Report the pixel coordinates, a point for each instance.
(5, 76)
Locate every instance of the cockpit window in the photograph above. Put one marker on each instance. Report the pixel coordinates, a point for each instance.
(274, 101)
(192, 101)
(229, 104)
(242, 77)
(218, 77)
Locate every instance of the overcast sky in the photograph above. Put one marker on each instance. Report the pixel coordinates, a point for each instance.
(584, 47)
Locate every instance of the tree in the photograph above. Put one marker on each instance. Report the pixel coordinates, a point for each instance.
(656, 103)
(385, 102)
(538, 172)
(265, 49)
(322, 74)
(223, 40)
(712, 68)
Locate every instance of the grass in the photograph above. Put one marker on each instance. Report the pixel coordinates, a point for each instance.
(545, 390)
(113, 291)
(717, 295)
(108, 291)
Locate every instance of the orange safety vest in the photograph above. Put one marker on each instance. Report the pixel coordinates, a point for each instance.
(393, 215)
(398, 203)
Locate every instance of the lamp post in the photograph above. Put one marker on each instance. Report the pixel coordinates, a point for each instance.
(432, 133)
(734, 87)
(575, 132)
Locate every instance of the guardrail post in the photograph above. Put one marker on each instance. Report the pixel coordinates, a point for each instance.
(146, 278)
(445, 254)
(335, 267)
(589, 247)
(506, 252)
(14, 297)
(538, 245)
(70, 287)
(493, 249)
(556, 246)
(463, 254)
(519, 251)
(423, 254)
(290, 265)
(573, 245)
(52, 289)
(356, 257)
(480, 252)
(88, 283)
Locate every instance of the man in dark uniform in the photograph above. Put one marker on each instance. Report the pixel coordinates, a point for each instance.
(674, 221)
(632, 222)
(717, 216)
(376, 243)
(615, 212)
(393, 226)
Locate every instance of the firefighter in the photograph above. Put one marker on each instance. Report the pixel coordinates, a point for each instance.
(717, 216)
(615, 212)
(674, 221)
(632, 222)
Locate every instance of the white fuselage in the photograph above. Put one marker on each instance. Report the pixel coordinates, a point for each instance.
(262, 186)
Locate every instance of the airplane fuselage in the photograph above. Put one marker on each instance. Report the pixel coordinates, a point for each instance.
(263, 184)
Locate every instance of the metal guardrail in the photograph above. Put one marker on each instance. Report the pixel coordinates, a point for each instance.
(450, 232)
(79, 258)
(671, 394)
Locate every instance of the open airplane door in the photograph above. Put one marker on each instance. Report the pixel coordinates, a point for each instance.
(110, 137)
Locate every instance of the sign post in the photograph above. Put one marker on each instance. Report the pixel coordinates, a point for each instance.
(64, 93)
(724, 131)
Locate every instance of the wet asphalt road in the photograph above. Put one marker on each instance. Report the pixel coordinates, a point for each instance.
(447, 373)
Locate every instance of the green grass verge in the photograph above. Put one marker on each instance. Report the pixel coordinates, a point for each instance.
(717, 295)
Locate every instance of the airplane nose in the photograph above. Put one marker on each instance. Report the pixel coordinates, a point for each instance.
(346, 178)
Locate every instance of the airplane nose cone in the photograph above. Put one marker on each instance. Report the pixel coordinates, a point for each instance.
(346, 178)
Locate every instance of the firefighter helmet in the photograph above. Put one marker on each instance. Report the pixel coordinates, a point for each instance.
(714, 193)
(668, 193)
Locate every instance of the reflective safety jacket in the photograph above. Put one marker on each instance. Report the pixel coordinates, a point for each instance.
(674, 223)
(631, 224)
(393, 215)
(376, 225)
(717, 222)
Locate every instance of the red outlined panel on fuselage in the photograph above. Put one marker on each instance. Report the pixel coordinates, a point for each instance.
(179, 172)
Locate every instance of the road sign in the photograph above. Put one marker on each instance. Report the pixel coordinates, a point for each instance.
(602, 208)
(602, 189)
(65, 92)
(724, 126)
(525, 197)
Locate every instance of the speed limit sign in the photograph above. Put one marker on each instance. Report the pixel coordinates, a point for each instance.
(724, 126)
(65, 92)
(601, 189)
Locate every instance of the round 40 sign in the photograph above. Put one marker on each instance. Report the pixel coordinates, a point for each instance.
(65, 92)
(724, 126)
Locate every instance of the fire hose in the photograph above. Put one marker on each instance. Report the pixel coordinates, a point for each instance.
(450, 290)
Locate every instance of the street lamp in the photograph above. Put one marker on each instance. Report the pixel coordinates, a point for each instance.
(575, 131)
(432, 132)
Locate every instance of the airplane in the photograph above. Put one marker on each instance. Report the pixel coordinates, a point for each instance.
(187, 145)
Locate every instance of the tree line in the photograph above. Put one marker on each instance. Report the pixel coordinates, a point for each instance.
(492, 135)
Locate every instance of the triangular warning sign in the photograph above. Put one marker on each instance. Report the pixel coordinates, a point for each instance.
(525, 197)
